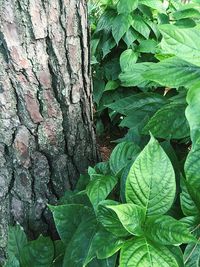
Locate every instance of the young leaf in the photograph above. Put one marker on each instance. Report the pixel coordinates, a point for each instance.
(140, 26)
(100, 187)
(131, 216)
(140, 252)
(151, 180)
(165, 230)
(122, 155)
(37, 253)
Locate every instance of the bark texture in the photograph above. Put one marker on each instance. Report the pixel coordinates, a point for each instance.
(46, 132)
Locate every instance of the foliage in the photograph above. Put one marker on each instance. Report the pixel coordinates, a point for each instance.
(141, 208)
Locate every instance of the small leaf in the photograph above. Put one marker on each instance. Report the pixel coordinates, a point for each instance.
(111, 85)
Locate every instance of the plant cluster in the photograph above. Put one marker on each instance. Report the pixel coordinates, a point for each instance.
(141, 208)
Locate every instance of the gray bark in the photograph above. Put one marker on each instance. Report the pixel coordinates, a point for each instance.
(46, 131)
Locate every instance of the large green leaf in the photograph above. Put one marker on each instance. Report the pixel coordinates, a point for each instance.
(173, 72)
(184, 13)
(79, 251)
(184, 43)
(120, 26)
(109, 262)
(38, 253)
(126, 6)
(12, 262)
(67, 219)
(155, 4)
(193, 111)
(151, 180)
(131, 216)
(16, 241)
(100, 187)
(109, 219)
(165, 230)
(192, 255)
(142, 253)
(122, 155)
(169, 122)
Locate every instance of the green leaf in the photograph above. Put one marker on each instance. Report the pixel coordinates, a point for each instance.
(192, 255)
(135, 76)
(165, 230)
(173, 72)
(122, 155)
(59, 253)
(178, 254)
(131, 216)
(151, 180)
(79, 251)
(140, 26)
(183, 43)
(12, 262)
(140, 252)
(38, 253)
(106, 20)
(155, 4)
(187, 13)
(120, 26)
(110, 262)
(139, 103)
(127, 59)
(109, 219)
(100, 187)
(67, 219)
(147, 46)
(105, 244)
(193, 111)
(130, 36)
(169, 122)
(16, 241)
(111, 85)
(127, 6)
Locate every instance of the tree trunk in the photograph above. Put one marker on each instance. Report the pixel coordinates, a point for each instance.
(46, 131)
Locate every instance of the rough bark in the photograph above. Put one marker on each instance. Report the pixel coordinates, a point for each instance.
(46, 131)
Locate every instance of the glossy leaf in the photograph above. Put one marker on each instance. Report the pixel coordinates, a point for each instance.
(139, 253)
(127, 59)
(151, 180)
(109, 219)
(126, 6)
(38, 253)
(165, 230)
(169, 122)
(122, 155)
(100, 187)
(131, 216)
(192, 255)
(120, 26)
